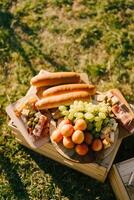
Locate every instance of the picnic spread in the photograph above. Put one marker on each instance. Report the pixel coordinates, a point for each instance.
(82, 124)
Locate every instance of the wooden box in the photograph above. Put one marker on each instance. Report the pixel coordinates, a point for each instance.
(119, 177)
(98, 170)
(94, 170)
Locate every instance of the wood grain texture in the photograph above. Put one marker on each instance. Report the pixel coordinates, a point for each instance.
(91, 169)
(125, 170)
(117, 185)
(119, 177)
(94, 170)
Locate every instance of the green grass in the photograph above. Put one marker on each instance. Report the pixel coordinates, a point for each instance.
(94, 36)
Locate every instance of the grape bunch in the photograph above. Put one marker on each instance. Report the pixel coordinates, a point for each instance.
(95, 115)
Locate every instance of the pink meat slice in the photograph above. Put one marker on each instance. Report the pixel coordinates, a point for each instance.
(39, 127)
(123, 114)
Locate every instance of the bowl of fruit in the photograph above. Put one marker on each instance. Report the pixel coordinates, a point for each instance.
(85, 130)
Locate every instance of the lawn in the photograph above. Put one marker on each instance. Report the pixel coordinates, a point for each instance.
(92, 36)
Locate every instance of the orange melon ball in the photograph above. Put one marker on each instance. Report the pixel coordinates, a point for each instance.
(80, 124)
(56, 136)
(67, 130)
(97, 145)
(88, 138)
(67, 142)
(78, 137)
(63, 122)
(81, 149)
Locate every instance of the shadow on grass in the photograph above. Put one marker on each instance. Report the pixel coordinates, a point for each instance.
(126, 149)
(74, 185)
(14, 179)
(58, 66)
(12, 42)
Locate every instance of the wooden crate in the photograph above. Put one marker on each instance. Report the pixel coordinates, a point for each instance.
(94, 170)
(119, 177)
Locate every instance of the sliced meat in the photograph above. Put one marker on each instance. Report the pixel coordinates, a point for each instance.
(39, 127)
(123, 114)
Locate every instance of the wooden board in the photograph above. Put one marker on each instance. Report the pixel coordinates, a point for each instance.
(119, 177)
(98, 171)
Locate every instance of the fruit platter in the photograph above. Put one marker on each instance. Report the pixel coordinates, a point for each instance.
(86, 131)
(81, 123)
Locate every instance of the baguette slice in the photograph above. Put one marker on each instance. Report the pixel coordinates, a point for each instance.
(66, 99)
(56, 78)
(63, 89)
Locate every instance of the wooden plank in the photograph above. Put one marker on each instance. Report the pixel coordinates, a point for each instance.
(91, 169)
(109, 159)
(125, 170)
(117, 184)
(97, 171)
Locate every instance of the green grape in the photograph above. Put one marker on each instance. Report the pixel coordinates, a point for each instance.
(102, 115)
(70, 116)
(75, 114)
(86, 107)
(98, 129)
(90, 109)
(66, 117)
(80, 102)
(75, 103)
(103, 109)
(89, 116)
(96, 109)
(98, 124)
(81, 108)
(97, 119)
(65, 112)
(90, 104)
(85, 103)
(72, 111)
(62, 108)
(79, 115)
(72, 106)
